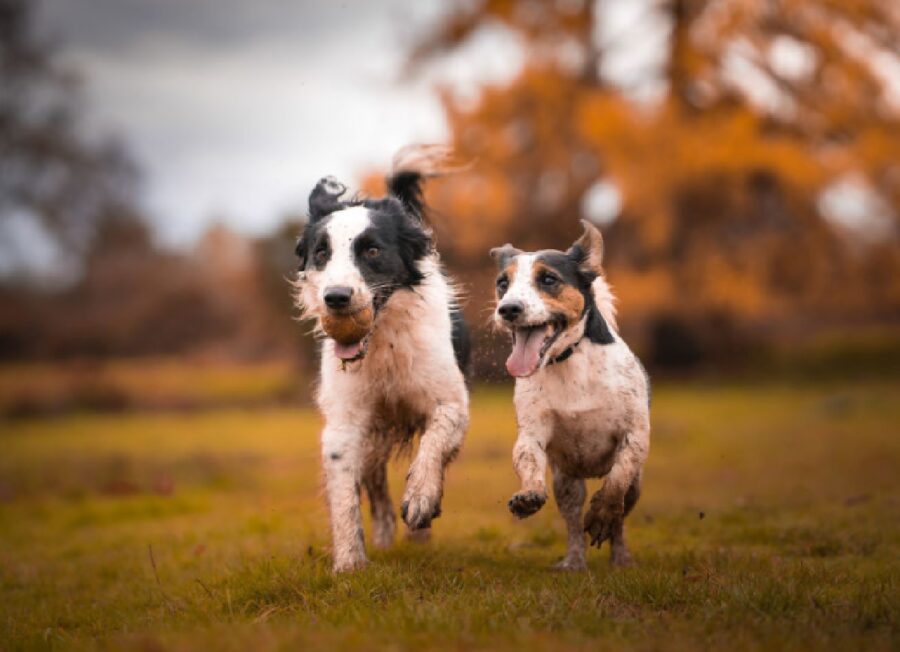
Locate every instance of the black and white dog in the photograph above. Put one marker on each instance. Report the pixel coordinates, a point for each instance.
(395, 346)
(582, 397)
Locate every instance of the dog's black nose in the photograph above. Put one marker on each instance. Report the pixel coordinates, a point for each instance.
(511, 310)
(337, 297)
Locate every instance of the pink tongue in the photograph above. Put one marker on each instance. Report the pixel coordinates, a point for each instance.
(526, 353)
(347, 351)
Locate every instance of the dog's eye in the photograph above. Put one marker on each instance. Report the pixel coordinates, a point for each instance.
(321, 256)
(548, 280)
(502, 284)
(372, 252)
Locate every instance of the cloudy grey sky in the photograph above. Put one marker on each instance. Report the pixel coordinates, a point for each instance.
(234, 108)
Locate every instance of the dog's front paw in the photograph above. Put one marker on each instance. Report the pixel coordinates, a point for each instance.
(419, 510)
(348, 565)
(526, 503)
(600, 521)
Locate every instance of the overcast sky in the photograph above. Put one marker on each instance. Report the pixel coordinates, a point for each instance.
(234, 109)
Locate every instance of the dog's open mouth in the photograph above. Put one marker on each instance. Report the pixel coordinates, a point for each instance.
(530, 345)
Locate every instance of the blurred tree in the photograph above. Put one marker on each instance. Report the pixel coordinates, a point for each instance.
(723, 235)
(123, 295)
(49, 171)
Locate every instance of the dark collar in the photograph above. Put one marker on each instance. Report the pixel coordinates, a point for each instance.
(565, 355)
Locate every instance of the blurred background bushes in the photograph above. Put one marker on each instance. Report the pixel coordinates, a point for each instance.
(748, 192)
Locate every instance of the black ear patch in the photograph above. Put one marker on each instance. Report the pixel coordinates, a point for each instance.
(596, 329)
(579, 256)
(325, 198)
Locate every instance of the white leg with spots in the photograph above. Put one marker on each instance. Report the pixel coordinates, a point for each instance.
(343, 474)
(530, 463)
(440, 443)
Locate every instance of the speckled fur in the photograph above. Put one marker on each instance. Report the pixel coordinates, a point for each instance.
(586, 417)
(407, 383)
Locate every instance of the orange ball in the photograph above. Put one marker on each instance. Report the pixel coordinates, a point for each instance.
(349, 329)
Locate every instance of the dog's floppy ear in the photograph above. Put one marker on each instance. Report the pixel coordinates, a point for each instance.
(325, 198)
(504, 254)
(587, 251)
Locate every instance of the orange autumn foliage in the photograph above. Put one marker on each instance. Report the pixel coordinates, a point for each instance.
(721, 218)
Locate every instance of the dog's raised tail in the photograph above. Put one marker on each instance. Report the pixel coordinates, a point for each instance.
(411, 166)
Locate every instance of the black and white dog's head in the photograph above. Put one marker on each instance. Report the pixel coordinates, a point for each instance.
(545, 300)
(355, 253)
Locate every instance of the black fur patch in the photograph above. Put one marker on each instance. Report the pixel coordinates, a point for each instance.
(407, 187)
(314, 239)
(325, 198)
(401, 244)
(632, 495)
(400, 240)
(398, 233)
(568, 266)
(596, 329)
(462, 340)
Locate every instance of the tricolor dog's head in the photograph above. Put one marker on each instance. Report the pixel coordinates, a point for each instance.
(545, 300)
(355, 253)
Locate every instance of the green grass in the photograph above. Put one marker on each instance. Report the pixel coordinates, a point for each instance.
(208, 531)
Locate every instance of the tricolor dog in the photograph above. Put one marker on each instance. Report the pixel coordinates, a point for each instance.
(581, 397)
(393, 350)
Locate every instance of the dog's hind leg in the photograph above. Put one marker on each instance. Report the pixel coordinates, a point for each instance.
(569, 493)
(619, 555)
(606, 515)
(383, 520)
(440, 443)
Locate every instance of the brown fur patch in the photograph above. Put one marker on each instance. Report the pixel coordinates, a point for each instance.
(566, 300)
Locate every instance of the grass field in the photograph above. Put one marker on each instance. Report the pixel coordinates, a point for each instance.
(770, 519)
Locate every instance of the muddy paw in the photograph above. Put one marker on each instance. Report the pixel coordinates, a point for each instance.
(600, 522)
(418, 511)
(571, 564)
(526, 503)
